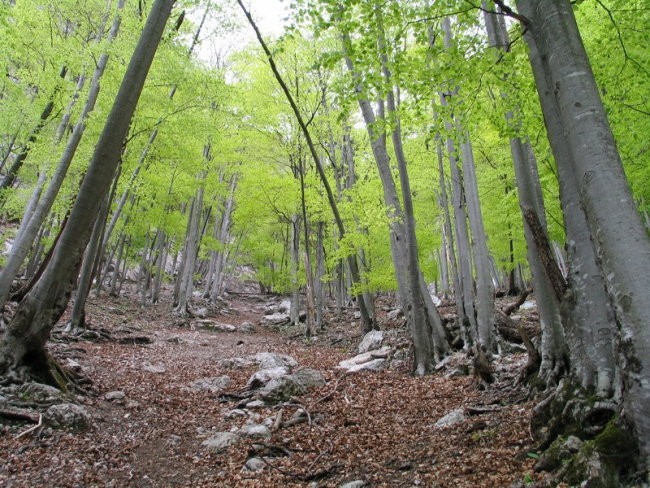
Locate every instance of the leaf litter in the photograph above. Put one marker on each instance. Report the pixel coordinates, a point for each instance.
(375, 427)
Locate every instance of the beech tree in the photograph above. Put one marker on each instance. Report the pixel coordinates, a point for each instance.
(22, 349)
(586, 151)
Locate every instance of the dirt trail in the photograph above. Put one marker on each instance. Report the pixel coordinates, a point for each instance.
(370, 426)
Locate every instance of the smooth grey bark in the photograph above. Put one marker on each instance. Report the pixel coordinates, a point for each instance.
(589, 321)
(222, 234)
(22, 350)
(429, 340)
(162, 253)
(424, 321)
(448, 235)
(78, 314)
(554, 353)
(116, 269)
(484, 286)
(294, 254)
(465, 291)
(29, 229)
(319, 289)
(192, 238)
(621, 241)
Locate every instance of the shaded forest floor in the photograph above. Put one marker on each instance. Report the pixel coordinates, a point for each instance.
(149, 422)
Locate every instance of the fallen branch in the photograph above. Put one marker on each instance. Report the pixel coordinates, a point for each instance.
(518, 303)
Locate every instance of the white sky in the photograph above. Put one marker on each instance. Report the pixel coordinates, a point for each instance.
(219, 40)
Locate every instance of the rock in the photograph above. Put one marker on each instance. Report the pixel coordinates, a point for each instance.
(281, 389)
(309, 378)
(254, 464)
(237, 412)
(201, 313)
(153, 368)
(395, 314)
(366, 357)
(378, 364)
(246, 327)
(213, 385)
(356, 315)
(214, 325)
(559, 452)
(268, 360)
(255, 431)
(67, 415)
(353, 484)
(528, 305)
(115, 396)
(221, 441)
(175, 440)
(275, 319)
(263, 376)
(236, 363)
(452, 418)
(285, 306)
(371, 341)
(256, 404)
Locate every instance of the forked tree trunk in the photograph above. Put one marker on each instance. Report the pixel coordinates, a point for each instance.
(424, 321)
(22, 349)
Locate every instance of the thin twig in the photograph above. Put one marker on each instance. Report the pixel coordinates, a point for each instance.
(32, 429)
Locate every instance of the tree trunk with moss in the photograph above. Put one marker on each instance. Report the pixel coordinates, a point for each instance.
(616, 229)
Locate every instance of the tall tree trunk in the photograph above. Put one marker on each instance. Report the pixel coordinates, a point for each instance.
(426, 327)
(621, 241)
(22, 348)
(186, 277)
(589, 321)
(482, 265)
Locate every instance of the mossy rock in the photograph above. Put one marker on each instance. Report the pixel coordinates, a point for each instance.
(616, 445)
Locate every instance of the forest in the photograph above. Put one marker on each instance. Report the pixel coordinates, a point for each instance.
(384, 244)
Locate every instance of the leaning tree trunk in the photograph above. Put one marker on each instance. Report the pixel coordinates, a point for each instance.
(586, 311)
(621, 241)
(22, 349)
(366, 320)
(29, 229)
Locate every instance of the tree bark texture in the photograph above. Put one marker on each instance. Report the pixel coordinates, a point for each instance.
(621, 241)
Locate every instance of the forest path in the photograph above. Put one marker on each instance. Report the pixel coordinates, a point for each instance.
(149, 422)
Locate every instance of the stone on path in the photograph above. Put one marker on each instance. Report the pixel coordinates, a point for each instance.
(371, 341)
(452, 418)
(67, 415)
(221, 441)
(213, 385)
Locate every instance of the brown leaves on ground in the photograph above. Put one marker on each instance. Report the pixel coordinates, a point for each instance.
(377, 427)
